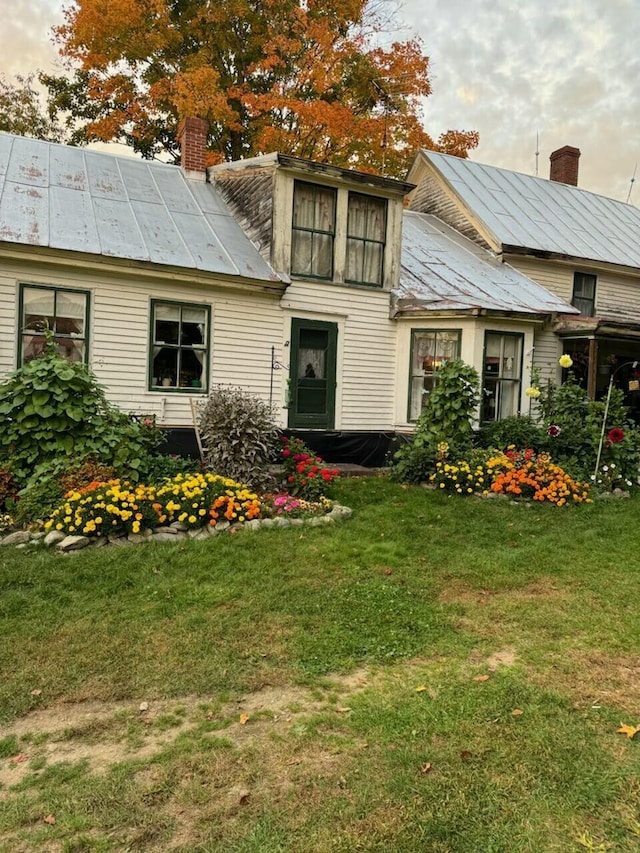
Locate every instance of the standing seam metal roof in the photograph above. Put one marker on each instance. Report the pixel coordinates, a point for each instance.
(443, 270)
(543, 215)
(80, 200)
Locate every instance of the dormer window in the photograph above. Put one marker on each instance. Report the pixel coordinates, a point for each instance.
(584, 293)
(314, 225)
(366, 229)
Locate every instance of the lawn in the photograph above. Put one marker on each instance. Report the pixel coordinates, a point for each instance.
(435, 674)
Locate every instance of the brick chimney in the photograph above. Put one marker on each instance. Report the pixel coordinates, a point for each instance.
(564, 165)
(192, 139)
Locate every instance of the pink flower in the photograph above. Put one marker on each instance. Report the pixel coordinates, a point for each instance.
(286, 452)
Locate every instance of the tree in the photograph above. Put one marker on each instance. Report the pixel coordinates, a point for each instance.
(305, 77)
(21, 111)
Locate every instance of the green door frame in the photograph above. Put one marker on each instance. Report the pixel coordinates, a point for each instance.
(313, 420)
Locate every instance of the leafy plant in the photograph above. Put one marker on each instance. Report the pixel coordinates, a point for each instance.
(239, 436)
(521, 430)
(446, 418)
(8, 489)
(37, 500)
(306, 476)
(53, 410)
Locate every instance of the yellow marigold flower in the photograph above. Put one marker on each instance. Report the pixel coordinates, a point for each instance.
(192, 519)
(135, 527)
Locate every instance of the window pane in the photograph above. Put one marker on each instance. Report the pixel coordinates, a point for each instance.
(38, 309)
(302, 242)
(372, 269)
(355, 259)
(32, 347)
(322, 255)
(313, 208)
(312, 363)
(165, 367)
(191, 368)
(70, 349)
(366, 217)
(193, 326)
(167, 324)
(431, 351)
(70, 313)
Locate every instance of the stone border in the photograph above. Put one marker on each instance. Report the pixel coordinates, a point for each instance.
(175, 532)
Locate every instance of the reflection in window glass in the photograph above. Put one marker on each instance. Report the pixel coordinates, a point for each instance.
(366, 227)
(179, 346)
(314, 209)
(502, 376)
(63, 312)
(431, 349)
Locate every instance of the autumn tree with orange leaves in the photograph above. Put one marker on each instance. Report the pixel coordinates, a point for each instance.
(312, 79)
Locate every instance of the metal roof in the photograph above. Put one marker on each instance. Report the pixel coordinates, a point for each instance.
(443, 270)
(80, 200)
(542, 215)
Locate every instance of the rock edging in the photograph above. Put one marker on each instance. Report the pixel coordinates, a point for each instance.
(174, 533)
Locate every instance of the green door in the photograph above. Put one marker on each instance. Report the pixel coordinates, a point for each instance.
(312, 392)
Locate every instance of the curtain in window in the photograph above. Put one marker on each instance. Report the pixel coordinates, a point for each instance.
(313, 227)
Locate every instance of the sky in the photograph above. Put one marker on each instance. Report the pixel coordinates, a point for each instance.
(567, 70)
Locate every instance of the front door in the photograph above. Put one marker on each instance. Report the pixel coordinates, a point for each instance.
(312, 392)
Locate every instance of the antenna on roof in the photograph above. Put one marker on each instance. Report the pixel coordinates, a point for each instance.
(631, 183)
(537, 151)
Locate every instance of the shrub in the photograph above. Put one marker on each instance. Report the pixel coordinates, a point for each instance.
(37, 500)
(239, 435)
(521, 430)
(53, 410)
(446, 417)
(305, 474)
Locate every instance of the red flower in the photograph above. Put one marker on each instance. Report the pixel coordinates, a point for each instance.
(286, 452)
(554, 431)
(615, 435)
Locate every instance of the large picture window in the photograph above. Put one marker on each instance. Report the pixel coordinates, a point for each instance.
(366, 229)
(314, 222)
(584, 293)
(502, 375)
(179, 346)
(431, 349)
(65, 313)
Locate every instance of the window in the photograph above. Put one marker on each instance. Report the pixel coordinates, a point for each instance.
(431, 349)
(366, 229)
(584, 293)
(314, 223)
(64, 312)
(179, 346)
(502, 375)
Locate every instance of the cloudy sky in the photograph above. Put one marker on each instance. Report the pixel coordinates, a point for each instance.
(568, 70)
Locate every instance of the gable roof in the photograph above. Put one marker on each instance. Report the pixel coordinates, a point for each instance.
(524, 212)
(75, 199)
(443, 270)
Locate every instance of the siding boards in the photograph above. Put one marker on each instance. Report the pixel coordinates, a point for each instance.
(249, 197)
(366, 370)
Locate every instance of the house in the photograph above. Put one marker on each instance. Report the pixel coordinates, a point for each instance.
(583, 247)
(286, 277)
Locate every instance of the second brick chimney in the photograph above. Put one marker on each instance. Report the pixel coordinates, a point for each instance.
(192, 138)
(564, 165)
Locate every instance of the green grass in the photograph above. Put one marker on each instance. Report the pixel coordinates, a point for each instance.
(328, 632)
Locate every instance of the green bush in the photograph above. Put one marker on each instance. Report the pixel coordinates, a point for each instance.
(53, 411)
(445, 419)
(521, 430)
(239, 436)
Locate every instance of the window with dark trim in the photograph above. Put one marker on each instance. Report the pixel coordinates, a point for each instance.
(314, 226)
(366, 231)
(584, 293)
(431, 349)
(502, 375)
(64, 312)
(179, 346)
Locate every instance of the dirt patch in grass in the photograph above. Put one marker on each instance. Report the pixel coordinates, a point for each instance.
(105, 733)
(459, 592)
(594, 678)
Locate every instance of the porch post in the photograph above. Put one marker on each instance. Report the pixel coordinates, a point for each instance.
(593, 369)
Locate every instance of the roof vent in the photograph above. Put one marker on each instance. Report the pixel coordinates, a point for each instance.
(564, 165)
(192, 139)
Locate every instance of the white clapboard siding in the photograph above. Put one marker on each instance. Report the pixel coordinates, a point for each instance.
(244, 326)
(557, 278)
(618, 294)
(547, 351)
(8, 324)
(366, 369)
